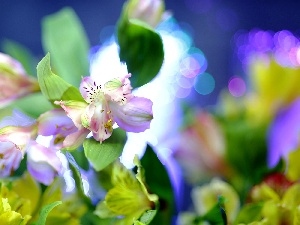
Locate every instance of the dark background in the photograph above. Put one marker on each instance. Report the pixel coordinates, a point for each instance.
(212, 23)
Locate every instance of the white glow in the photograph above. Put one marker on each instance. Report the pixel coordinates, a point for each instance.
(106, 65)
(165, 106)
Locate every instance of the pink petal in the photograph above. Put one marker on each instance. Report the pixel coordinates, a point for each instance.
(135, 115)
(74, 140)
(88, 88)
(10, 159)
(101, 122)
(55, 122)
(43, 163)
(118, 89)
(74, 110)
(17, 118)
(20, 136)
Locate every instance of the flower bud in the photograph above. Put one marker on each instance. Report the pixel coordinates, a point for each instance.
(149, 11)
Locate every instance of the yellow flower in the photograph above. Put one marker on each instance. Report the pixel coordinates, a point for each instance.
(274, 87)
(273, 202)
(22, 199)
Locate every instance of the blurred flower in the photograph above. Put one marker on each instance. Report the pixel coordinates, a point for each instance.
(149, 11)
(22, 135)
(283, 135)
(106, 104)
(206, 197)
(14, 82)
(274, 87)
(201, 149)
(128, 199)
(14, 141)
(13, 209)
(274, 201)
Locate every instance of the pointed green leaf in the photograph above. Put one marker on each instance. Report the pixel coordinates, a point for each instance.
(159, 185)
(147, 216)
(142, 50)
(64, 37)
(54, 87)
(102, 154)
(45, 211)
(249, 213)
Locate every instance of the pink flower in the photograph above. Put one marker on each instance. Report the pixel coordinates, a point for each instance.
(106, 104)
(14, 141)
(64, 133)
(41, 140)
(201, 150)
(14, 82)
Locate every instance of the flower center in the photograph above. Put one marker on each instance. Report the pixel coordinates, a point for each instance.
(94, 92)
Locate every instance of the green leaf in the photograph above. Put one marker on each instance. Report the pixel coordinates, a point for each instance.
(249, 213)
(45, 211)
(77, 177)
(20, 53)
(217, 215)
(142, 50)
(80, 158)
(33, 105)
(148, 216)
(91, 219)
(246, 151)
(64, 37)
(102, 154)
(54, 87)
(160, 185)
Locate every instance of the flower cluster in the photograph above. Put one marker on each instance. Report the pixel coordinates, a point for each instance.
(65, 129)
(58, 136)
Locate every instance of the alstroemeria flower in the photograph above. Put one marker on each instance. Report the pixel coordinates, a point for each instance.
(65, 133)
(13, 210)
(205, 197)
(44, 157)
(106, 104)
(14, 82)
(275, 200)
(14, 140)
(22, 135)
(203, 155)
